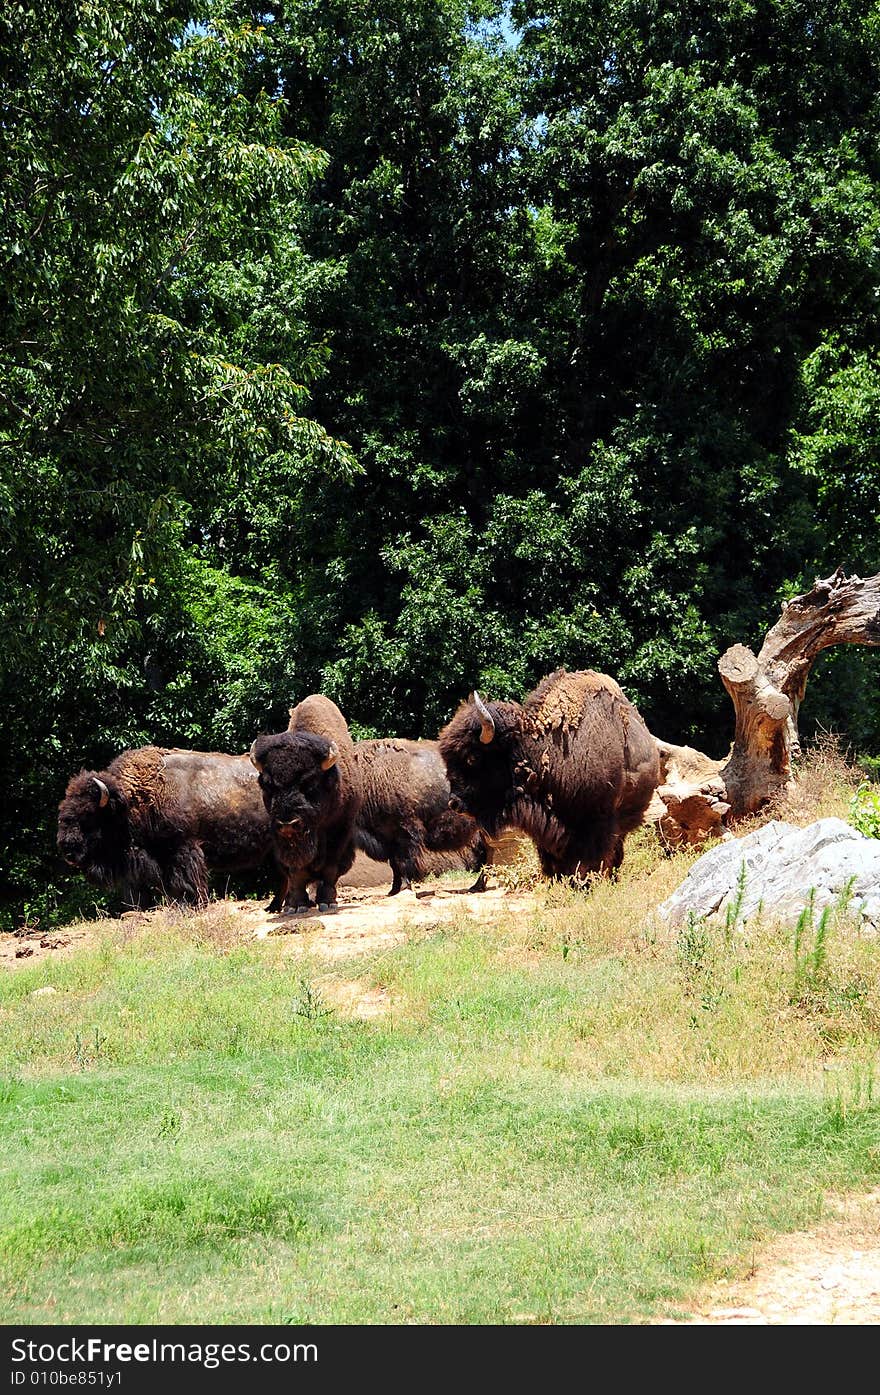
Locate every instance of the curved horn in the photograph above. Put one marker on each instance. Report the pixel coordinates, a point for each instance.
(105, 793)
(254, 760)
(331, 757)
(487, 721)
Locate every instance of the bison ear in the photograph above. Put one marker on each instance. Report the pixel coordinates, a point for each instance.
(253, 756)
(331, 757)
(104, 799)
(487, 721)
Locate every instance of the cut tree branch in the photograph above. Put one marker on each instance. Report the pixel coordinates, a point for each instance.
(698, 796)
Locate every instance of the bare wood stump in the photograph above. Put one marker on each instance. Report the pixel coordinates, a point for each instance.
(698, 795)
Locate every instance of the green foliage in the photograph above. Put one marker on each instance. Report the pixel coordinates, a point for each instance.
(864, 810)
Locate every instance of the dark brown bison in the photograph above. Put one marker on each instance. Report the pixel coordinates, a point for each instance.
(405, 814)
(158, 820)
(574, 767)
(312, 793)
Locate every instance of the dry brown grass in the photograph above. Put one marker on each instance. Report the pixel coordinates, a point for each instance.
(218, 926)
(825, 781)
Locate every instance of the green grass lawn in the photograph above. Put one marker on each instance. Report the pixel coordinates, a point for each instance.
(573, 1117)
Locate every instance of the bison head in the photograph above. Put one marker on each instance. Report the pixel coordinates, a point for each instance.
(93, 832)
(300, 784)
(477, 747)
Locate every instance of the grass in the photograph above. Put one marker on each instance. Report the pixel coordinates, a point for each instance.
(574, 1116)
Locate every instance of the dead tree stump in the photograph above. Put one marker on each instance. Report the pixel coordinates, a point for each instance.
(698, 795)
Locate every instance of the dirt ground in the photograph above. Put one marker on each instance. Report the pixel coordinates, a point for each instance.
(830, 1275)
(826, 1276)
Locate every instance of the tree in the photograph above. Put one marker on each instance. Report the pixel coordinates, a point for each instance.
(697, 795)
(154, 369)
(585, 274)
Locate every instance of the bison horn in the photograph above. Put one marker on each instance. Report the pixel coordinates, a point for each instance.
(105, 793)
(487, 721)
(331, 757)
(254, 760)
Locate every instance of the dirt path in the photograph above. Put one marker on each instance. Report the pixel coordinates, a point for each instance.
(366, 918)
(827, 1276)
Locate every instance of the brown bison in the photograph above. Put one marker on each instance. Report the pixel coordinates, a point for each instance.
(158, 820)
(312, 793)
(574, 767)
(405, 814)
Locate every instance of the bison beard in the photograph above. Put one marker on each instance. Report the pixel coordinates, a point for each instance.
(574, 767)
(405, 813)
(312, 794)
(158, 820)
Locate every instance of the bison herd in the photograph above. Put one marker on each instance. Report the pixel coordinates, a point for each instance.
(574, 767)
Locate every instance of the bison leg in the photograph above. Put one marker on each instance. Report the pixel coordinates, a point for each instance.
(601, 853)
(405, 862)
(551, 864)
(614, 857)
(331, 872)
(186, 876)
(481, 853)
(280, 896)
(143, 885)
(297, 894)
(399, 882)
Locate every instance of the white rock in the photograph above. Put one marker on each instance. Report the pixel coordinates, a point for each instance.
(782, 863)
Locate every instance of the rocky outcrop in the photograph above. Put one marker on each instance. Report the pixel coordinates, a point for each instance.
(783, 865)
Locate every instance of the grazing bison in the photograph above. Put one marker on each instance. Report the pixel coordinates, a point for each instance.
(312, 793)
(158, 820)
(405, 813)
(574, 767)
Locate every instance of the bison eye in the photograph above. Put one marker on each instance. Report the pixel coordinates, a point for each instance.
(264, 782)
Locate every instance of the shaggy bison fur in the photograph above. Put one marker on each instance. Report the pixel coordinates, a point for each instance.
(158, 820)
(312, 793)
(574, 767)
(405, 814)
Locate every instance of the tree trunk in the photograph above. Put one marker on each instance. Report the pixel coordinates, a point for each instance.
(698, 795)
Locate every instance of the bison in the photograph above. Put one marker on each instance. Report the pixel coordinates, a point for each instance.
(573, 766)
(159, 819)
(312, 793)
(405, 814)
